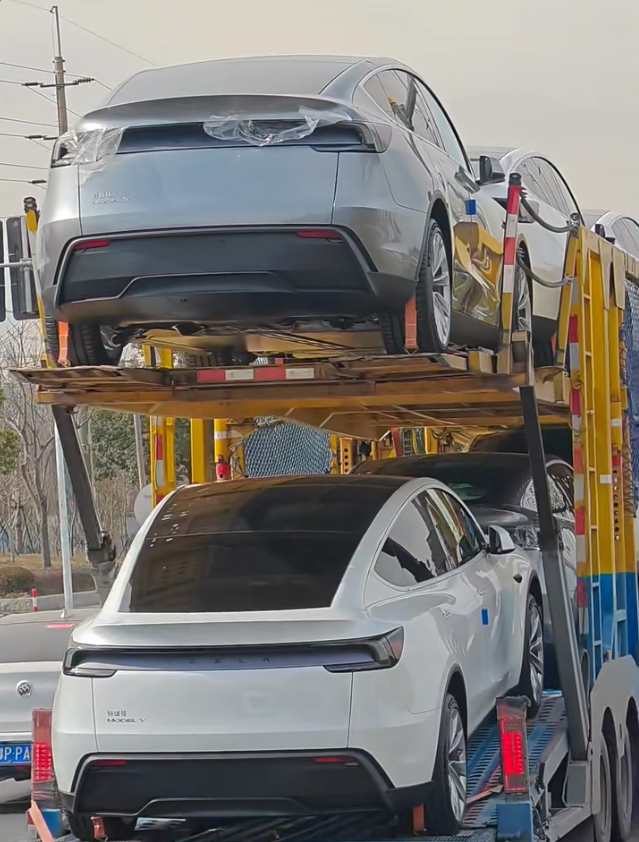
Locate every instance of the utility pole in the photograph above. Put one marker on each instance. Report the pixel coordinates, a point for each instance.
(58, 68)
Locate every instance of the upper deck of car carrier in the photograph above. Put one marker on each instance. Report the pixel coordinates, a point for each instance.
(534, 781)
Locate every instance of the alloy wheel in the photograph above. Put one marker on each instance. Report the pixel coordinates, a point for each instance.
(457, 764)
(536, 654)
(523, 314)
(438, 261)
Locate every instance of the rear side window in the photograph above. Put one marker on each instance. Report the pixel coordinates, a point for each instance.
(270, 546)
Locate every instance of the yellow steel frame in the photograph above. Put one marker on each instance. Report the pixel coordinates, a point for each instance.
(590, 333)
(162, 435)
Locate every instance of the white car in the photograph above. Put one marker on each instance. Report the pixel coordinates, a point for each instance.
(32, 647)
(553, 200)
(619, 227)
(295, 646)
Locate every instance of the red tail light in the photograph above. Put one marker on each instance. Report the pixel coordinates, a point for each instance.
(334, 236)
(41, 753)
(91, 244)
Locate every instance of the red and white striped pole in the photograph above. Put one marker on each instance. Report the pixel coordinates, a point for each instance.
(34, 598)
(509, 271)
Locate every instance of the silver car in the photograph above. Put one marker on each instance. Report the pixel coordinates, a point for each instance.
(622, 229)
(275, 205)
(32, 648)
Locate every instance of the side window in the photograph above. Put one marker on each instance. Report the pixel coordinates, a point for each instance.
(531, 179)
(462, 533)
(411, 554)
(549, 179)
(395, 85)
(633, 228)
(449, 138)
(373, 87)
(562, 478)
(564, 190)
(620, 234)
(560, 504)
(423, 120)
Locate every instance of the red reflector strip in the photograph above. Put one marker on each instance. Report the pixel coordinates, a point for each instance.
(319, 235)
(258, 374)
(91, 244)
(335, 760)
(60, 626)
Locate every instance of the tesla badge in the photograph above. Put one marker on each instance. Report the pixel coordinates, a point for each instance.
(23, 688)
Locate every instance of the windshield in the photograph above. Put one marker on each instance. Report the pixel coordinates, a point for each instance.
(255, 546)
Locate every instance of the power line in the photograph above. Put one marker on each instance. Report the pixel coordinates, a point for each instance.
(48, 99)
(28, 122)
(88, 31)
(37, 182)
(22, 166)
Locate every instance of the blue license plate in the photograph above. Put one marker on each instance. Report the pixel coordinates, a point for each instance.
(15, 754)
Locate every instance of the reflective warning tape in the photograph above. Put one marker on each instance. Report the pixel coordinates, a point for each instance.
(510, 238)
(258, 374)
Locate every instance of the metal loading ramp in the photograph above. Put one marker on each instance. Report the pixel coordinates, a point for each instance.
(357, 397)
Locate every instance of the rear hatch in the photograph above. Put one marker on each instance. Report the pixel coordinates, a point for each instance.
(261, 160)
(227, 634)
(207, 687)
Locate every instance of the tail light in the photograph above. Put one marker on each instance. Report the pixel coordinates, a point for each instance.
(42, 774)
(83, 245)
(372, 653)
(511, 716)
(320, 234)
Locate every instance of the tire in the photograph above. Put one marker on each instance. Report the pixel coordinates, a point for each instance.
(433, 301)
(523, 310)
(623, 789)
(81, 826)
(445, 805)
(603, 819)
(531, 683)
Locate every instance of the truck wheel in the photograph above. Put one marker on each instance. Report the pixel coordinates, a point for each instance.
(603, 819)
(622, 792)
(81, 826)
(531, 679)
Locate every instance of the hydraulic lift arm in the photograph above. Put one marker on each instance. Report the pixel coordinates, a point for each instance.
(100, 548)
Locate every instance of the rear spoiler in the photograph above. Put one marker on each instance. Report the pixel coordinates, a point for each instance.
(198, 109)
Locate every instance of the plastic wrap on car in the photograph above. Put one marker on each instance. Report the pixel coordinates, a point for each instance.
(91, 147)
(271, 129)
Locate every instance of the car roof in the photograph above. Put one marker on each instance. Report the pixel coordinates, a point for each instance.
(419, 466)
(275, 75)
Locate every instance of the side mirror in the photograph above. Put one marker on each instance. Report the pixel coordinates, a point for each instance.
(490, 170)
(499, 541)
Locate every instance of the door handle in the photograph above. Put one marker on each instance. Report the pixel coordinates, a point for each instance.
(481, 593)
(446, 614)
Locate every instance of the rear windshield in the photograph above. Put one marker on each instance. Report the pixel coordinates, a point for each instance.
(304, 77)
(29, 642)
(256, 545)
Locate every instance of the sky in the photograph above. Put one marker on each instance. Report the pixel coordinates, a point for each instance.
(559, 77)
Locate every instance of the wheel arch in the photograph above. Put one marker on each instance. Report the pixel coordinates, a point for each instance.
(456, 686)
(439, 212)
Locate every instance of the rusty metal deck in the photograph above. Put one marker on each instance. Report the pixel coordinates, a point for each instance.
(359, 397)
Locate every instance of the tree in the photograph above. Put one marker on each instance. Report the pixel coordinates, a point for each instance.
(31, 424)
